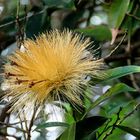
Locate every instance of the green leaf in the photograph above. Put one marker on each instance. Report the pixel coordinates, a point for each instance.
(69, 118)
(129, 130)
(51, 124)
(120, 72)
(37, 24)
(131, 6)
(117, 12)
(69, 134)
(100, 33)
(118, 88)
(86, 127)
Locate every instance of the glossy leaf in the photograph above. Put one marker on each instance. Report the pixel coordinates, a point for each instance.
(51, 124)
(118, 88)
(69, 134)
(117, 12)
(100, 33)
(120, 72)
(129, 130)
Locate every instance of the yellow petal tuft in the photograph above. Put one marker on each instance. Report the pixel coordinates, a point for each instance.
(53, 67)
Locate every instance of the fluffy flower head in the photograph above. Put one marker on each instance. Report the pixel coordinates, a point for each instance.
(53, 67)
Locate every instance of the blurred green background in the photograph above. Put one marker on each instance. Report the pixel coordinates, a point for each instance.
(110, 24)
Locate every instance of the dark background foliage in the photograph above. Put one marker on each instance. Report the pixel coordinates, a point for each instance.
(114, 26)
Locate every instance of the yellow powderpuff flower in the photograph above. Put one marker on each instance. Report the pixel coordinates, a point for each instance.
(53, 67)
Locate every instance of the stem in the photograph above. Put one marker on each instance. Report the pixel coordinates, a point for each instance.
(22, 127)
(114, 125)
(132, 77)
(31, 123)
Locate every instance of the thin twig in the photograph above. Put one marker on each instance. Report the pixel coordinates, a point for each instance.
(4, 113)
(6, 134)
(31, 123)
(113, 126)
(135, 17)
(134, 12)
(17, 22)
(91, 11)
(105, 128)
(132, 77)
(17, 128)
(20, 32)
(117, 122)
(22, 126)
(10, 123)
(129, 114)
(116, 58)
(24, 117)
(21, 19)
(116, 46)
(25, 21)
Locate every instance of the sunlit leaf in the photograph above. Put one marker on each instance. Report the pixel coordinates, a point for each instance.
(69, 134)
(120, 72)
(117, 12)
